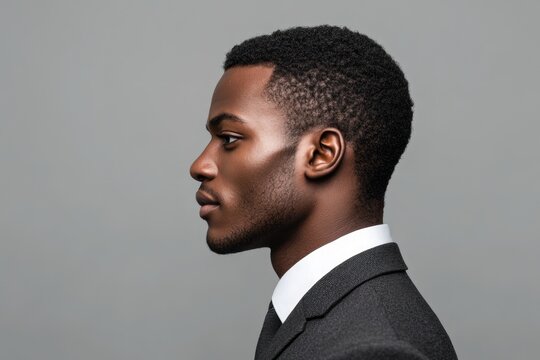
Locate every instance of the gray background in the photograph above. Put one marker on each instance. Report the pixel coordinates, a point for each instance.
(102, 109)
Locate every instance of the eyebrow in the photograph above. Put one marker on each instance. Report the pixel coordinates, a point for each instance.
(216, 120)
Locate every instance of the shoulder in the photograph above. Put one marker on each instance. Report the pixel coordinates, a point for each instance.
(384, 318)
(396, 350)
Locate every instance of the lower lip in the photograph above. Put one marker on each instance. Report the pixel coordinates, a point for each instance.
(206, 209)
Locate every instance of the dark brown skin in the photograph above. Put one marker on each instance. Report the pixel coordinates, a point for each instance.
(270, 195)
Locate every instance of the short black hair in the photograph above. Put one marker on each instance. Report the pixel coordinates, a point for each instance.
(332, 76)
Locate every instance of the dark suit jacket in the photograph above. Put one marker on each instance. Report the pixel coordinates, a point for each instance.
(365, 308)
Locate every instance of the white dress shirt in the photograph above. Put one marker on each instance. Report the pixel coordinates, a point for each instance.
(296, 282)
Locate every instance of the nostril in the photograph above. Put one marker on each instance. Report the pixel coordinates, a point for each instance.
(200, 178)
(202, 173)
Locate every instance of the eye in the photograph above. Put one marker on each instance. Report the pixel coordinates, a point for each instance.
(225, 137)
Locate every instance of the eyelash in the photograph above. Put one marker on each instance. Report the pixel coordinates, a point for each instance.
(228, 136)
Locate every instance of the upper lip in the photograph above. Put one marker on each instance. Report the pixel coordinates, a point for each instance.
(205, 199)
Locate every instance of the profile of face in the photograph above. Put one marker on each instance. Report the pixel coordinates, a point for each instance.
(248, 167)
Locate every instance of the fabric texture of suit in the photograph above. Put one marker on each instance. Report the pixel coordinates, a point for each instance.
(365, 308)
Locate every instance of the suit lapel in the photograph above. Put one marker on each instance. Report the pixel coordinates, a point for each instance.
(288, 331)
(332, 288)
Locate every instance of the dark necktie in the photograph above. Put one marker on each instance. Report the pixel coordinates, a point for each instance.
(270, 327)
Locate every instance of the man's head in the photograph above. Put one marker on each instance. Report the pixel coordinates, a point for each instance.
(305, 95)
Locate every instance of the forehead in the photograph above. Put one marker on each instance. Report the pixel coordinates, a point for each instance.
(240, 92)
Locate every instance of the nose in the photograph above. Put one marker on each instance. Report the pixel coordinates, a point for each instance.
(203, 168)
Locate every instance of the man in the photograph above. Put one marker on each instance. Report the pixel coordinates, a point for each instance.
(307, 125)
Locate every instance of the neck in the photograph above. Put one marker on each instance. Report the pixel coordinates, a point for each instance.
(315, 232)
(332, 216)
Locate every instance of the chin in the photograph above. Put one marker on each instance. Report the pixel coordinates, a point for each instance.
(229, 245)
(220, 247)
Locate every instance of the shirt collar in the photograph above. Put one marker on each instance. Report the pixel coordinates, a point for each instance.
(296, 282)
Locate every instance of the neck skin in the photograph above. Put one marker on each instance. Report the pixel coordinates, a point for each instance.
(333, 216)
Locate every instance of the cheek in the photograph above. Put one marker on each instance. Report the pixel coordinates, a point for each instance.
(246, 177)
(238, 179)
(244, 182)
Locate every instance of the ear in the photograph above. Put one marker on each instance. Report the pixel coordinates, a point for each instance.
(326, 148)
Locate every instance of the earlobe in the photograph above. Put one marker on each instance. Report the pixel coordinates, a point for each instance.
(327, 147)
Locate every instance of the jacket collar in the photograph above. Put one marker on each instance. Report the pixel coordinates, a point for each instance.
(332, 288)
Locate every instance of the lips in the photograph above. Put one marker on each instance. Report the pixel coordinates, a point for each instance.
(207, 202)
(206, 209)
(205, 199)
